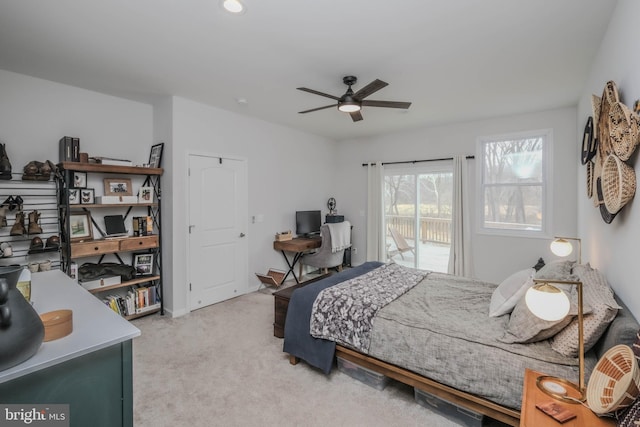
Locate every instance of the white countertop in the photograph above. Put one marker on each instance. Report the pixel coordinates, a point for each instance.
(95, 326)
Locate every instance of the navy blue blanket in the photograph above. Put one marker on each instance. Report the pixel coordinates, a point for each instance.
(297, 340)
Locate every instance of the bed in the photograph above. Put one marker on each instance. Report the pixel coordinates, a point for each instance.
(435, 335)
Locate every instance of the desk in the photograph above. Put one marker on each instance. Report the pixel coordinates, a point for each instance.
(297, 247)
(530, 416)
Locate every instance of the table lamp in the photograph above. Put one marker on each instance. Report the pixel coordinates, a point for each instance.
(548, 302)
(561, 246)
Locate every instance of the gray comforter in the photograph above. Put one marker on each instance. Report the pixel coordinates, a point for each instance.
(344, 313)
(441, 329)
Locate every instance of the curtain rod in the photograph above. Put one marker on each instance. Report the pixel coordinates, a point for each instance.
(418, 161)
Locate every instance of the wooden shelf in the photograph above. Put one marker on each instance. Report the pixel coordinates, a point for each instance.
(112, 205)
(137, 281)
(144, 313)
(99, 168)
(76, 250)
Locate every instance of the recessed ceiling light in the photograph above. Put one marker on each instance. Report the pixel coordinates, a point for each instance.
(233, 6)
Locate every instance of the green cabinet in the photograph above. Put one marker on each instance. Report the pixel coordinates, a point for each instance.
(98, 387)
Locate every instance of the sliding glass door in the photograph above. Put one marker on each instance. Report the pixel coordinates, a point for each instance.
(417, 206)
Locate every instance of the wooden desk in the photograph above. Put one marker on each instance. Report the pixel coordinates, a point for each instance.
(298, 247)
(530, 416)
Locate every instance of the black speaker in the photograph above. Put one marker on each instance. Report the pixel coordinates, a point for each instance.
(346, 261)
(334, 218)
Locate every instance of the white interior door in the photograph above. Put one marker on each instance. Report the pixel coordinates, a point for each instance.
(217, 227)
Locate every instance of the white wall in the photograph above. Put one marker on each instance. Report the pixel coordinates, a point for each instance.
(613, 248)
(494, 257)
(35, 114)
(288, 171)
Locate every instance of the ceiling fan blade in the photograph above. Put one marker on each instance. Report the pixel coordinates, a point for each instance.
(356, 116)
(372, 87)
(315, 92)
(316, 109)
(387, 104)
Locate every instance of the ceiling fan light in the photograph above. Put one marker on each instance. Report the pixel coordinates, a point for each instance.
(233, 6)
(349, 107)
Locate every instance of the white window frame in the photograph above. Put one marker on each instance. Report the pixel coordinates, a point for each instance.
(547, 183)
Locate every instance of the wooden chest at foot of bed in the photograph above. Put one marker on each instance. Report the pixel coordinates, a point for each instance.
(281, 305)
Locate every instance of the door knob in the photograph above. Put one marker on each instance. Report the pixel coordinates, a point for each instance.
(242, 234)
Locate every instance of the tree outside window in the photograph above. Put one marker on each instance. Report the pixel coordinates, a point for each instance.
(513, 181)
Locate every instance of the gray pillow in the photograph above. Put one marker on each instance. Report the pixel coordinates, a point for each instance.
(557, 270)
(525, 327)
(599, 296)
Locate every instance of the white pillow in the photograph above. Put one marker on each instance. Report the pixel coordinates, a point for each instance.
(510, 291)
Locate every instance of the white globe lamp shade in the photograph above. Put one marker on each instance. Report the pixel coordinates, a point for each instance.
(547, 302)
(561, 247)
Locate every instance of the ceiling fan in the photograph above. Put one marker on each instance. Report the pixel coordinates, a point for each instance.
(352, 102)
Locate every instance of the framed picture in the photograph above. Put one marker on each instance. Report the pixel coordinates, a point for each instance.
(80, 227)
(156, 155)
(117, 187)
(87, 196)
(143, 263)
(79, 180)
(74, 196)
(145, 195)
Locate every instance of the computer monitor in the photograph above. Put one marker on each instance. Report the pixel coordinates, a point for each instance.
(308, 223)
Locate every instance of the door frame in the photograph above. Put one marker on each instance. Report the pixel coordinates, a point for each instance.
(245, 275)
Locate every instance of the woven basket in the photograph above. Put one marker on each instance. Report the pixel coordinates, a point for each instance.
(609, 98)
(623, 130)
(614, 382)
(595, 107)
(618, 183)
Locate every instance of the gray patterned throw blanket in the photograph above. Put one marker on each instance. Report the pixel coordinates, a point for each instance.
(344, 313)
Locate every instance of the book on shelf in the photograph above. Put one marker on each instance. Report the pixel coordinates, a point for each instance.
(69, 149)
(142, 225)
(135, 301)
(112, 162)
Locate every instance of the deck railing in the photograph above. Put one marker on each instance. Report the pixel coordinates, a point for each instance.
(436, 230)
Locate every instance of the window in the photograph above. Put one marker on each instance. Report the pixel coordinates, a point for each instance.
(417, 206)
(514, 183)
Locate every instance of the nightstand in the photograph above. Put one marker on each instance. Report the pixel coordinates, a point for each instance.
(530, 416)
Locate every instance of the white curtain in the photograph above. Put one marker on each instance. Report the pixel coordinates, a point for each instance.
(460, 254)
(375, 213)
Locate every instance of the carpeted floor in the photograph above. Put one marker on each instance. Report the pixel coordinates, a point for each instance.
(222, 366)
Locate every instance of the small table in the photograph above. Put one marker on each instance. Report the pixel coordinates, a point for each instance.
(298, 247)
(530, 416)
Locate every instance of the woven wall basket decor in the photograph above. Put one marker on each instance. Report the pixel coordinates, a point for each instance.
(611, 183)
(618, 183)
(609, 98)
(623, 130)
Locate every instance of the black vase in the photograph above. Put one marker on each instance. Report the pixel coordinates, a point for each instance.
(21, 330)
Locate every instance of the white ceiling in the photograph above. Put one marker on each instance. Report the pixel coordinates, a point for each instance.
(456, 60)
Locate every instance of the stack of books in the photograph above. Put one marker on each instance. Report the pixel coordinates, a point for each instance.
(142, 225)
(69, 149)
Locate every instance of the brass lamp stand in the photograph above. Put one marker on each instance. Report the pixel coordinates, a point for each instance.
(550, 303)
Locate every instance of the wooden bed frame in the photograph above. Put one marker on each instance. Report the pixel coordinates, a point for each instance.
(474, 403)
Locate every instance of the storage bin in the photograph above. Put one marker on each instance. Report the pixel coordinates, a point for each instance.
(367, 376)
(448, 410)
